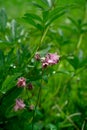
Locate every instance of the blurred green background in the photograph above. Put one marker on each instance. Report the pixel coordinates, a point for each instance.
(16, 8)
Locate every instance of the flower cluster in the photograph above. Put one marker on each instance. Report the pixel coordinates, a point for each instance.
(49, 59)
(19, 102)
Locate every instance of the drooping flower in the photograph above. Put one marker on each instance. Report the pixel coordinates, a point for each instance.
(44, 64)
(21, 82)
(50, 59)
(19, 105)
(37, 56)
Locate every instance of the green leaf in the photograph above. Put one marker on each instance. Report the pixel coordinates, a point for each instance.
(9, 98)
(74, 61)
(83, 63)
(51, 127)
(5, 44)
(54, 17)
(40, 27)
(9, 83)
(45, 15)
(74, 22)
(3, 20)
(13, 29)
(56, 11)
(38, 6)
(1, 58)
(31, 21)
(48, 2)
(33, 16)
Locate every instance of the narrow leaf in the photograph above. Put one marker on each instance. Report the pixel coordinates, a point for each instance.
(54, 18)
(33, 16)
(9, 83)
(3, 20)
(13, 29)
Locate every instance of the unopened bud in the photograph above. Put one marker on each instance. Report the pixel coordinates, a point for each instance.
(30, 86)
(37, 56)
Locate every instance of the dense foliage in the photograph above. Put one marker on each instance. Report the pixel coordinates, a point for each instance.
(43, 64)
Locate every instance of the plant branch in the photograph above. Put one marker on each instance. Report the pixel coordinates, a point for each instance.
(40, 43)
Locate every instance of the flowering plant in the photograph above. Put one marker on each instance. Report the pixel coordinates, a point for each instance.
(43, 66)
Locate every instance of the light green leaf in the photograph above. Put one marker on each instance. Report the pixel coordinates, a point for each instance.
(13, 29)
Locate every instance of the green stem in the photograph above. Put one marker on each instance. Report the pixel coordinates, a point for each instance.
(79, 41)
(41, 41)
(38, 101)
(36, 107)
(68, 118)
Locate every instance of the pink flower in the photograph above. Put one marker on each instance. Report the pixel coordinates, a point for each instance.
(50, 59)
(21, 82)
(19, 105)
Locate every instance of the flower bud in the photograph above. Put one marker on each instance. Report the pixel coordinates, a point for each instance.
(30, 86)
(37, 56)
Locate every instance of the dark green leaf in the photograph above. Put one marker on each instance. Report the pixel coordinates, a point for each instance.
(74, 61)
(54, 18)
(9, 98)
(1, 58)
(9, 83)
(3, 20)
(33, 16)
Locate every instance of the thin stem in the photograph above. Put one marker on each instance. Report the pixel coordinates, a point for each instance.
(71, 121)
(41, 41)
(38, 101)
(79, 41)
(68, 118)
(36, 107)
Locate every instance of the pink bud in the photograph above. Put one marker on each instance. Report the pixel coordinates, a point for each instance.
(37, 56)
(30, 86)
